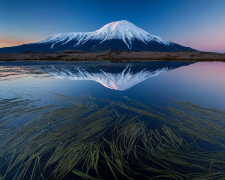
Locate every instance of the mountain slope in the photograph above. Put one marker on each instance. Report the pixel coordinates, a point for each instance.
(119, 35)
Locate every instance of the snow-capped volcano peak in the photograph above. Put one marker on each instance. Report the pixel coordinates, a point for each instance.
(120, 26)
(118, 30)
(119, 35)
(126, 31)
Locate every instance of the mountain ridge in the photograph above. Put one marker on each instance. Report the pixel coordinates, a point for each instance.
(119, 35)
(115, 30)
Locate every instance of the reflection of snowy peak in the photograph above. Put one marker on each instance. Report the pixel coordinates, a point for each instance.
(117, 81)
(117, 75)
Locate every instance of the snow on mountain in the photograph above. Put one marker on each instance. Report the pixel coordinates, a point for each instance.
(122, 30)
(118, 35)
(65, 38)
(126, 31)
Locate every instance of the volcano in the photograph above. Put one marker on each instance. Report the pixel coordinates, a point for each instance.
(119, 35)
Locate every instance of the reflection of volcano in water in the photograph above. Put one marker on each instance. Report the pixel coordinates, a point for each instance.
(117, 81)
(118, 76)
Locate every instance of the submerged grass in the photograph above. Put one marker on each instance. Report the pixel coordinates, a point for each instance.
(97, 139)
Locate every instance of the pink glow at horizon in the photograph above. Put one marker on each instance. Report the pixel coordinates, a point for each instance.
(207, 46)
(7, 41)
(208, 40)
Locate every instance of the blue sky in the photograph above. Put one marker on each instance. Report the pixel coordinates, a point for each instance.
(196, 23)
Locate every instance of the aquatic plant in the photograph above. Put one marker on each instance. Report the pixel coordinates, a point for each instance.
(89, 138)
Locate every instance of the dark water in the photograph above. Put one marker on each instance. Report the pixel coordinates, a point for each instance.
(29, 90)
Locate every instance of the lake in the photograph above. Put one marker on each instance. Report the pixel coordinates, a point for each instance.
(112, 120)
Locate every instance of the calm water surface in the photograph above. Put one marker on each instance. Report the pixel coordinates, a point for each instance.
(201, 83)
(30, 89)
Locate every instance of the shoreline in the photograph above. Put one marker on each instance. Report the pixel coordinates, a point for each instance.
(189, 56)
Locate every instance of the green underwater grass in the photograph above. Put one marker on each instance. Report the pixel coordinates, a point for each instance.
(88, 138)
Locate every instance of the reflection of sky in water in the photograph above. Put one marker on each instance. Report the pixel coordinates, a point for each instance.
(200, 83)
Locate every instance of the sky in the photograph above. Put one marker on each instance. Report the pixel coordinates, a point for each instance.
(199, 24)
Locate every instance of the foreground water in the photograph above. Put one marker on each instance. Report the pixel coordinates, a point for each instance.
(103, 120)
